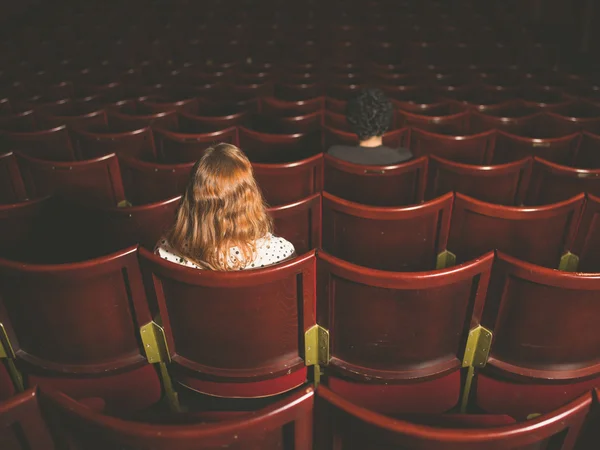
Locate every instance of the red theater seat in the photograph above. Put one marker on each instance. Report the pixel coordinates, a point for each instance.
(540, 235)
(588, 155)
(279, 301)
(54, 315)
(299, 222)
(405, 239)
(166, 120)
(289, 182)
(136, 143)
(346, 425)
(52, 145)
(94, 181)
(176, 148)
(454, 124)
(278, 148)
(472, 149)
(587, 240)
(522, 125)
(275, 107)
(504, 184)
(18, 122)
(219, 121)
(511, 147)
(384, 352)
(12, 189)
(286, 423)
(545, 338)
(392, 185)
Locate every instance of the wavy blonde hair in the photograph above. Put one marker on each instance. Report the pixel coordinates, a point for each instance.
(222, 208)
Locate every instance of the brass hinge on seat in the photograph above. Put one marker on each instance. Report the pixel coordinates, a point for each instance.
(569, 262)
(8, 354)
(316, 349)
(445, 259)
(476, 355)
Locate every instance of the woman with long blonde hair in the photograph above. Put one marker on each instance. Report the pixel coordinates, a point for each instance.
(222, 222)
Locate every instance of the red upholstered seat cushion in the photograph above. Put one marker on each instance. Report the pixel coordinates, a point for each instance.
(263, 388)
(520, 399)
(6, 386)
(122, 393)
(428, 397)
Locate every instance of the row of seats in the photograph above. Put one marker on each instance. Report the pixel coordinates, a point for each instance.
(99, 328)
(304, 420)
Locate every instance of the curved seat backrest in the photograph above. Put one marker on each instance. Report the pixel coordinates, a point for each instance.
(406, 239)
(95, 181)
(136, 143)
(551, 183)
(382, 325)
(587, 240)
(473, 149)
(391, 185)
(257, 317)
(153, 106)
(176, 148)
(523, 125)
(22, 426)
(588, 154)
(203, 124)
(278, 148)
(77, 319)
(503, 184)
(83, 121)
(289, 182)
(539, 235)
(284, 424)
(336, 121)
(560, 150)
(19, 122)
(275, 107)
(453, 124)
(352, 427)
(53, 144)
(147, 182)
(166, 119)
(12, 189)
(299, 223)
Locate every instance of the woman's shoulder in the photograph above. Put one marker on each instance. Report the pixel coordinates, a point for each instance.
(168, 253)
(272, 249)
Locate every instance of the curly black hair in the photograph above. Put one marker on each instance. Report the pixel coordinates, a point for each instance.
(369, 113)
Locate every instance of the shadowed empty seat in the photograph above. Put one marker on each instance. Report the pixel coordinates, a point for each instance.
(510, 147)
(472, 149)
(284, 424)
(503, 184)
(336, 121)
(587, 240)
(540, 235)
(347, 426)
(520, 125)
(53, 316)
(147, 182)
(552, 182)
(289, 182)
(53, 144)
(545, 344)
(588, 155)
(201, 124)
(454, 124)
(176, 148)
(166, 120)
(407, 238)
(94, 181)
(277, 300)
(12, 189)
(81, 115)
(385, 350)
(275, 107)
(278, 148)
(299, 222)
(391, 185)
(19, 122)
(136, 143)
(22, 426)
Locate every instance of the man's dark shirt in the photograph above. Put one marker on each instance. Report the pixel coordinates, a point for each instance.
(376, 156)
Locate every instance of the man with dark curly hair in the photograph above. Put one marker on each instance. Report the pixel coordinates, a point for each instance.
(370, 114)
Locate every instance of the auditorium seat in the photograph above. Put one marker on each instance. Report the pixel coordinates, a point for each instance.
(201, 124)
(93, 181)
(287, 423)
(510, 147)
(133, 142)
(545, 338)
(18, 122)
(298, 92)
(336, 121)
(166, 120)
(385, 351)
(504, 184)
(70, 113)
(148, 182)
(551, 183)
(540, 235)
(522, 125)
(306, 123)
(299, 222)
(274, 107)
(588, 155)
(391, 185)
(587, 241)
(52, 145)
(22, 425)
(74, 327)
(279, 301)
(348, 426)
(393, 139)
(454, 124)
(335, 105)
(12, 189)
(177, 147)
(403, 239)
(159, 104)
(289, 182)
(278, 148)
(471, 149)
